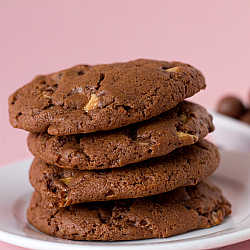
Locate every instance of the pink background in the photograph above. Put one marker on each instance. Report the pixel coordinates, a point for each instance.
(39, 37)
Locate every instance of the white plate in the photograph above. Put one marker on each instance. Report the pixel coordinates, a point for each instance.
(230, 134)
(233, 176)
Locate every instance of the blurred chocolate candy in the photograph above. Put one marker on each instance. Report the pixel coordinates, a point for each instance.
(246, 117)
(231, 106)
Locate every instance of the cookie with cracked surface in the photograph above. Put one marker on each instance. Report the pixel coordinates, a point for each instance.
(175, 212)
(184, 166)
(181, 126)
(87, 99)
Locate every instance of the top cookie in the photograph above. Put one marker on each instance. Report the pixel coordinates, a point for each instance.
(87, 99)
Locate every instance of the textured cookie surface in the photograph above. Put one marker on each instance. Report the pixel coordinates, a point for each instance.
(179, 211)
(183, 125)
(86, 98)
(184, 166)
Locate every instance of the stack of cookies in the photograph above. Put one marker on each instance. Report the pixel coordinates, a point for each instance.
(120, 154)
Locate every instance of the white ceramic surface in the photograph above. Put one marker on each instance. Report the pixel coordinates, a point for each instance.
(230, 134)
(233, 176)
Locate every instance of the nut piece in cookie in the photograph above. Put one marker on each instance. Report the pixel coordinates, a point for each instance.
(92, 103)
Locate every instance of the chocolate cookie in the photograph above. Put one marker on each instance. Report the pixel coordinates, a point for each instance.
(179, 211)
(182, 167)
(86, 98)
(183, 125)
